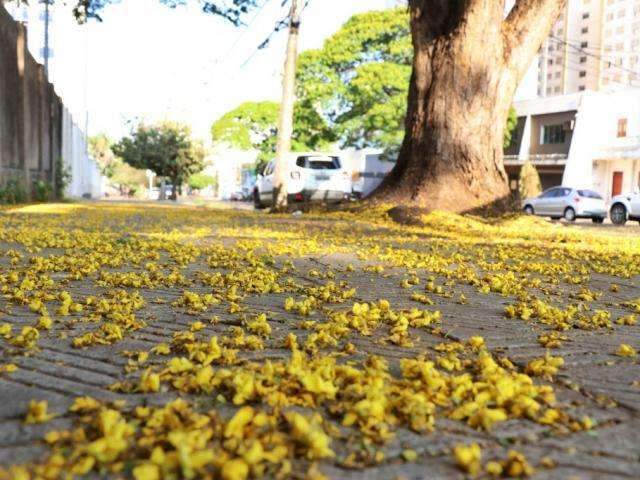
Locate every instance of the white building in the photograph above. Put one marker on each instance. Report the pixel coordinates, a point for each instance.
(583, 140)
(233, 170)
(593, 45)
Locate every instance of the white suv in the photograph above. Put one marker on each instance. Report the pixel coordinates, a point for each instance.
(311, 177)
(625, 207)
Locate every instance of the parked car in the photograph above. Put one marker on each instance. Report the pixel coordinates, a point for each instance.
(625, 207)
(567, 203)
(236, 196)
(311, 177)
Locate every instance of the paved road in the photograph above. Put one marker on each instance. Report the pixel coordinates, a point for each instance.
(375, 259)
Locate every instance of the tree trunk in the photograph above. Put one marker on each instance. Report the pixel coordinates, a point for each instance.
(174, 189)
(467, 63)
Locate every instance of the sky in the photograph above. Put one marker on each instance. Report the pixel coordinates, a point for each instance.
(146, 61)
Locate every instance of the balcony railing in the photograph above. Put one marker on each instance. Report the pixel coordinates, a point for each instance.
(539, 159)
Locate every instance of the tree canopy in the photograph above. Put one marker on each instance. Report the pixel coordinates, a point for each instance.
(199, 181)
(100, 150)
(358, 81)
(232, 10)
(254, 125)
(120, 174)
(166, 149)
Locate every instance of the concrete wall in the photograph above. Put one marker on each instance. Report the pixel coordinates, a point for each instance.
(36, 130)
(29, 111)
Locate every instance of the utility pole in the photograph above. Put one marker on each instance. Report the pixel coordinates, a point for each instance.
(285, 121)
(46, 38)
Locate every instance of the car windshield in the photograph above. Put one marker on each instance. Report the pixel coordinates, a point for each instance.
(589, 194)
(319, 163)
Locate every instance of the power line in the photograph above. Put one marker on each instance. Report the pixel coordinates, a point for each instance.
(280, 25)
(589, 54)
(245, 31)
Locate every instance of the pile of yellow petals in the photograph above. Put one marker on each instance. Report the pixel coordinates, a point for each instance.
(176, 441)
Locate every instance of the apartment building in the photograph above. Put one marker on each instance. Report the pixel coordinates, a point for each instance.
(582, 140)
(593, 45)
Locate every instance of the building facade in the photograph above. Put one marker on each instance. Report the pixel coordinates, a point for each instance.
(593, 45)
(582, 140)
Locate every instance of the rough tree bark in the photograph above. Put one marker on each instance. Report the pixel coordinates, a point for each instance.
(468, 61)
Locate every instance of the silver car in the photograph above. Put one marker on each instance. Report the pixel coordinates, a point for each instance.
(567, 203)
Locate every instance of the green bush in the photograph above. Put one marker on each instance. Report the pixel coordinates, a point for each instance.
(13, 192)
(63, 178)
(42, 191)
(199, 181)
(529, 181)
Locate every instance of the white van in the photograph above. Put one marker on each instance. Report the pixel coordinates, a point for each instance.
(311, 177)
(368, 168)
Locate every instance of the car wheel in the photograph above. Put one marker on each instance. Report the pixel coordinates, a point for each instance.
(597, 219)
(528, 209)
(569, 214)
(618, 214)
(257, 203)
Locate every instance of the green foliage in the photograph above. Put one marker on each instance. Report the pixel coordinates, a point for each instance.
(199, 181)
(100, 150)
(512, 122)
(251, 125)
(529, 181)
(166, 149)
(126, 177)
(254, 125)
(62, 178)
(232, 11)
(358, 81)
(13, 192)
(42, 191)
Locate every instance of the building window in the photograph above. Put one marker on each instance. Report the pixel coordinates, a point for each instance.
(581, 88)
(585, 30)
(584, 44)
(622, 127)
(556, 89)
(582, 73)
(558, 74)
(585, 15)
(583, 59)
(552, 134)
(550, 61)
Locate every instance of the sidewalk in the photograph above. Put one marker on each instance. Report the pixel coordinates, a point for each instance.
(134, 294)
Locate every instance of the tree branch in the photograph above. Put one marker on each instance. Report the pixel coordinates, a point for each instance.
(524, 30)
